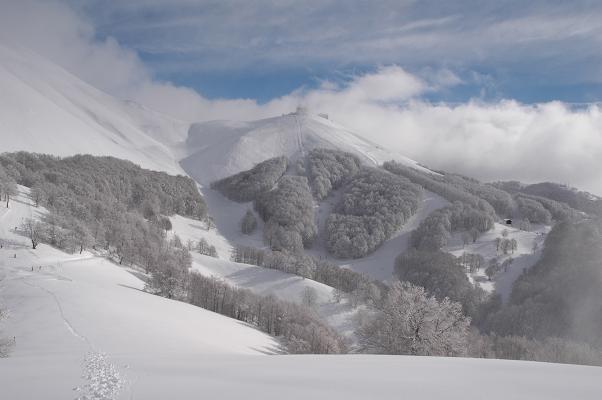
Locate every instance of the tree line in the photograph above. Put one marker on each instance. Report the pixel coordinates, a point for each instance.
(297, 326)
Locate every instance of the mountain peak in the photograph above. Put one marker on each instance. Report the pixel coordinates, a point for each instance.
(217, 149)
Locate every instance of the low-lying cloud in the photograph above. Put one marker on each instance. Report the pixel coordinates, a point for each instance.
(489, 141)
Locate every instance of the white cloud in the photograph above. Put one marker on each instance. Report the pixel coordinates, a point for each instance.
(502, 140)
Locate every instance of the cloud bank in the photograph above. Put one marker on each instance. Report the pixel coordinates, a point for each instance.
(487, 140)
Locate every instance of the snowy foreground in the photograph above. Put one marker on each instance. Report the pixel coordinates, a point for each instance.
(83, 328)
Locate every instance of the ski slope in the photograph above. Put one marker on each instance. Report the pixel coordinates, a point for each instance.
(523, 258)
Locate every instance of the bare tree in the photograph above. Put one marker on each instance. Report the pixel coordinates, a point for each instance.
(337, 295)
(248, 224)
(309, 297)
(32, 230)
(8, 187)
(465, 238)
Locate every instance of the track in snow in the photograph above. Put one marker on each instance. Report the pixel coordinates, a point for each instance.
(299, 136)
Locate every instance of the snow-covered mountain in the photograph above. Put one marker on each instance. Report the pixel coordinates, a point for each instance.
(218, 149)
(82, 325)
(45, 109)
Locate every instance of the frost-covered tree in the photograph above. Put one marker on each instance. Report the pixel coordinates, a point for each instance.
(374, 206)
(247, 185)
(412, 322)
(493, 268)
(8, 186)
(329, 169)
(435, 230)
(288, 210)
(336, 295)
(309, 297)
(533, 210)
(513, 245)
(32, 229)
(298, 327)
(525, 225)
(441, 274)
(465, 238)
(108, 204)
(248, 224)
(456, 188)
(170, 277)
(559, 296)
(558, 210)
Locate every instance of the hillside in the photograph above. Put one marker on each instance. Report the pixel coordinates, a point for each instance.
(83, 328)
(45, 109)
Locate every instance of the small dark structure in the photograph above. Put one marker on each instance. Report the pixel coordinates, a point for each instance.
(508, 221)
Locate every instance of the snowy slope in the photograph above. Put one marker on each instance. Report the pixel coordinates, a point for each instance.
(222, 148)
(84, 330)
(261, 280)
(82, 311)
(524, 257)
(380, 264)
(45, 109)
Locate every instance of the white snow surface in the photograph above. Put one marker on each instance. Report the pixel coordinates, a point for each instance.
(45, 109)
(218, 149)
(74, 316)
(85, 330)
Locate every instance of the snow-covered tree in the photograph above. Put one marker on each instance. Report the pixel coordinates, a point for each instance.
(248, 224)
(8, 186)
(411, 322)
(309, 297)
(32, 229)
(247, 185)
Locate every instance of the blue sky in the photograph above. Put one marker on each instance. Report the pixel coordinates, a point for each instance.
(530, 51)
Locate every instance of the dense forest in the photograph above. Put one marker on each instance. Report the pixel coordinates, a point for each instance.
(247, 185)
(561, 295)
(373, 207)
(330, 169)
(288, 212)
